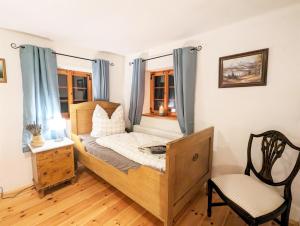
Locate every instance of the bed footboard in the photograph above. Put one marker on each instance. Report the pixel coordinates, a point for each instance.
(189, 165)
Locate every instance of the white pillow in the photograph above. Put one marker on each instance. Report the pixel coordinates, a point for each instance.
(103, 126)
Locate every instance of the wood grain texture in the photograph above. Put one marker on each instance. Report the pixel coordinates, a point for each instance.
(69, 75)
(160, 193)
(166, 73)
(92, 201)
(81, 115)
(52, 167)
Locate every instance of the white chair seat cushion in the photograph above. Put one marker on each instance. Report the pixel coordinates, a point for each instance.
(250, 194)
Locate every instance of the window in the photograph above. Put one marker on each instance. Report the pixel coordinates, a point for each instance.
(74, 87)
(162, 92)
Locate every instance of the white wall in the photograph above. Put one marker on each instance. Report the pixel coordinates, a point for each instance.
(15, 166)
(237, 112)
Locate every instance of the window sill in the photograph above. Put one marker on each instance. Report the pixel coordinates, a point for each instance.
(170, 117)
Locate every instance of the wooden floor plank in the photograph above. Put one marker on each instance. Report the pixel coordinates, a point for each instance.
(58, 206)
(36, 204)
(77, 207)
(111, 212)
(147, 219)
(126, 216)
(22, 203)
(92, 201)
(94, 209)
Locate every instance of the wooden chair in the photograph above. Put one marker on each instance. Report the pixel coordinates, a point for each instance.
(251, 198)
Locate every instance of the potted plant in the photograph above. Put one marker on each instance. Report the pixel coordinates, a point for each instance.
(37, 139)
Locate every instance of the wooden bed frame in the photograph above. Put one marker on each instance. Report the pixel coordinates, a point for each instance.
(164, 194)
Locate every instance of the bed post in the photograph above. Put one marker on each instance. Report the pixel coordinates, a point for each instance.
(188, 168)
(170, 176)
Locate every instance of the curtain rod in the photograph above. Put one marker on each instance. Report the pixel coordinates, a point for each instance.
(197, 48)
(14, 46)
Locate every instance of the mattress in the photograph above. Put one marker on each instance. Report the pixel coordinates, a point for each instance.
(107, 155)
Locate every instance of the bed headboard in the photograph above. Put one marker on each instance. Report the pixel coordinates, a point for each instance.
(81, 115)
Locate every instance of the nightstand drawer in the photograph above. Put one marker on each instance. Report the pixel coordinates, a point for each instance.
(62, 153)
(65, 160)
(54, 175)
(47, 155)
(55, 154)
(62, 174)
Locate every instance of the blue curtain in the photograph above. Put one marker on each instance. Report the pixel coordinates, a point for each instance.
(101, 80)
(137, 92)
(185, 61)
(40, 89)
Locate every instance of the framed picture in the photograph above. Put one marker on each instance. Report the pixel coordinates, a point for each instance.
(244, 69)
(2, 71)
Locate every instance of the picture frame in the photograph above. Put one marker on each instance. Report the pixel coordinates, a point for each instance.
(3, 78)
(244, 69)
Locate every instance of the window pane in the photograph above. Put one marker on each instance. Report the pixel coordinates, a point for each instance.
(171, 93)
(159, 81)
(171, 80)
(171, 102)
(79, 82)
(63, 93)
(157, 104)
(64, 107)
(79, 89)
(79, 95)
(172, 106)
(62, 80)
(159, 93)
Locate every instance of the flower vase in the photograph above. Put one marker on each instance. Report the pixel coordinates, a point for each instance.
(37, 141)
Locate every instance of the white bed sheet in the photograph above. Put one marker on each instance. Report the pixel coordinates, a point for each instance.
(129, 145)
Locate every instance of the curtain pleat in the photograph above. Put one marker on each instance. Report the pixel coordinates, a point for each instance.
(185, 61)
(137, 92)
(101, 80)
(40, 89)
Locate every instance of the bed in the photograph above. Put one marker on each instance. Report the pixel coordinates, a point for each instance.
(164, 194)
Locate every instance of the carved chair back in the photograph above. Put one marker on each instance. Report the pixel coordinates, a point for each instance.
(272, 146)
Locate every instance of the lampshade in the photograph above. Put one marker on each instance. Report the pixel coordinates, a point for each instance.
(57, 128)
(57, 124)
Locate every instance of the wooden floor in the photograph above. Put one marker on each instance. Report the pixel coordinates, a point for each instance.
(91, 201)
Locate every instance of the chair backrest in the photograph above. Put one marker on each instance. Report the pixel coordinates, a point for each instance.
(272, 146)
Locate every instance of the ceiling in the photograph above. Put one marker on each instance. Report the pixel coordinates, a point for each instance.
(126, 26)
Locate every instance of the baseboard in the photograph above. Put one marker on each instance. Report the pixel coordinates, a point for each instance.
(14, 191)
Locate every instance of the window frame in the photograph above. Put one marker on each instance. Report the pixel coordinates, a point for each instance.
(70, 74)
(166, 73)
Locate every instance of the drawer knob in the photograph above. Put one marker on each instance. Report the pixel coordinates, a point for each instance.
(45, 173)
(195, 157)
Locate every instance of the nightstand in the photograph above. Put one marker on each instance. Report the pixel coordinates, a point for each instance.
(52, 164)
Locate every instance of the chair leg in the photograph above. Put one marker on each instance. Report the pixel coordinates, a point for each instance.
(285, 218)
(209, 198)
